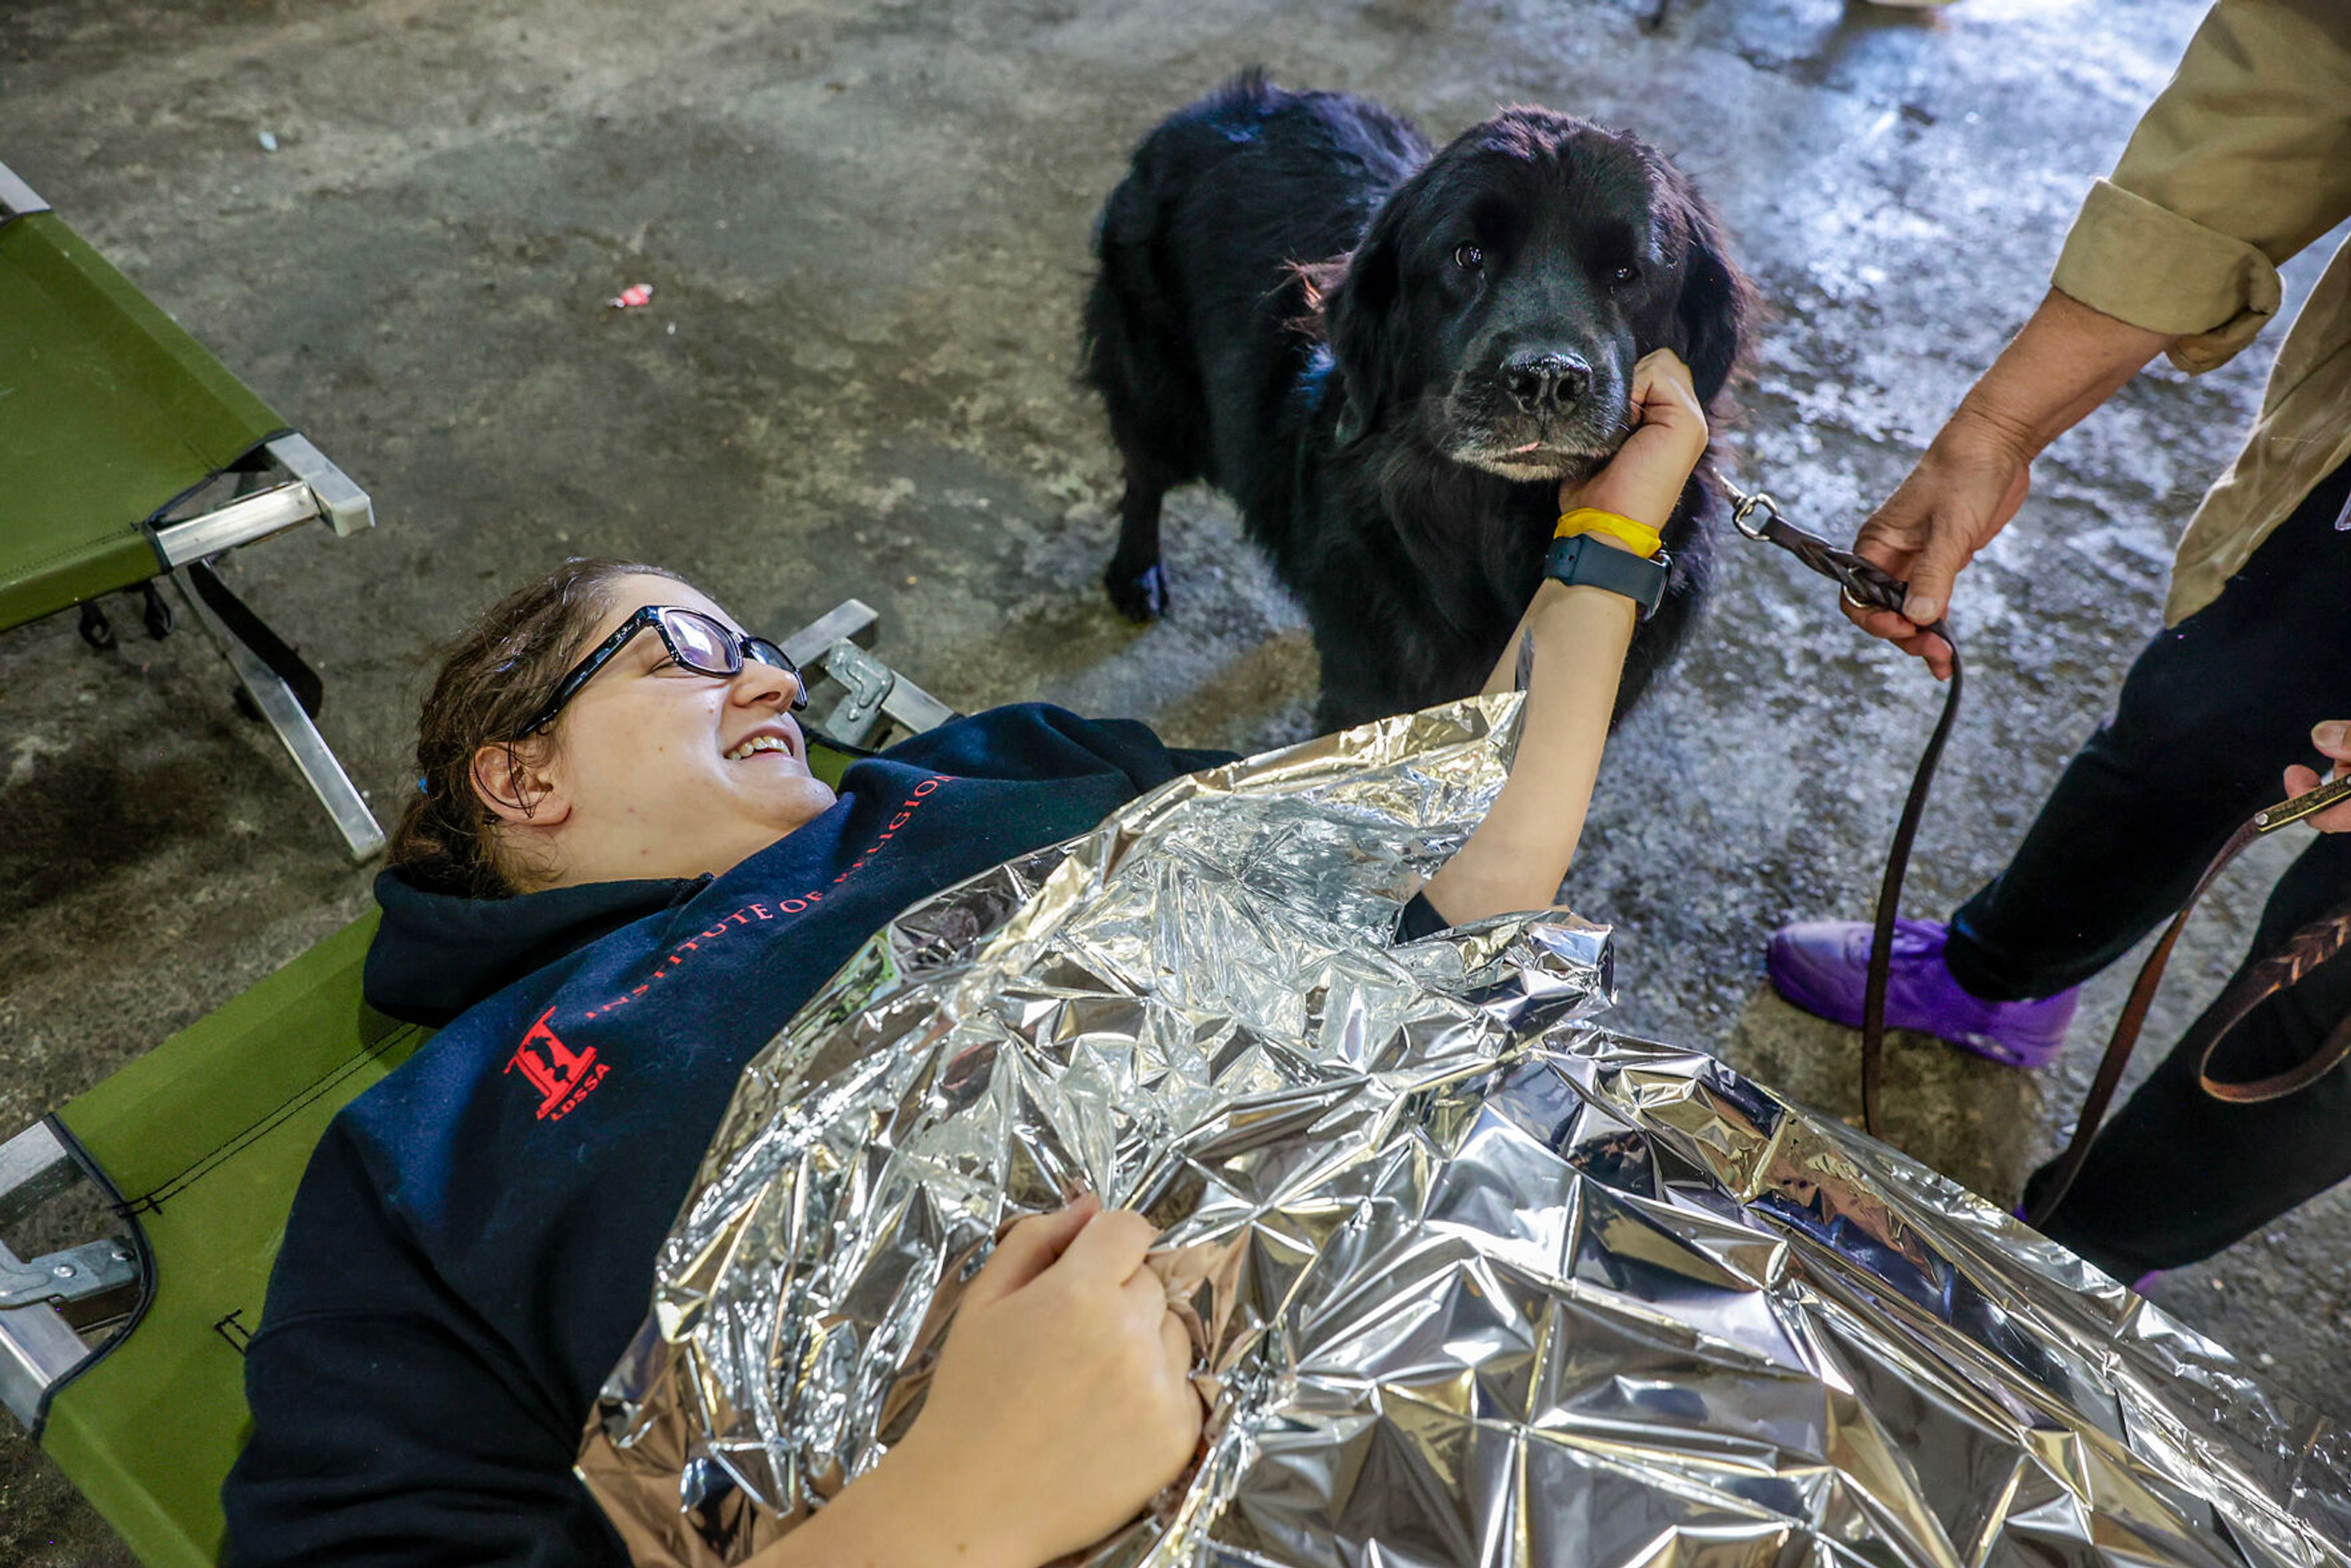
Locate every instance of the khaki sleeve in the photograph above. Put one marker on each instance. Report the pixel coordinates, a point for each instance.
(2243, 160)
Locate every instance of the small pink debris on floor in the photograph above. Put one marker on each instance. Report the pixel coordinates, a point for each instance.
(634, 294)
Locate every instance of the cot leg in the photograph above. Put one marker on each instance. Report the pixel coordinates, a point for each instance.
(271, 685)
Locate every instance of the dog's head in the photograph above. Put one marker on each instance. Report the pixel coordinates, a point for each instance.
(1501, 296)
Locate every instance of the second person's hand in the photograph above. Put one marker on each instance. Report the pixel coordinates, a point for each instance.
(2332, 739)
(2066, 361)
(1970, 482)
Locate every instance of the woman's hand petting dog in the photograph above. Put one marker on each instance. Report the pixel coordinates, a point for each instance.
(1644, 481)
(1573, 640)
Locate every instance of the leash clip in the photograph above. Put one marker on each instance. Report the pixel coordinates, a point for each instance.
(1744, 506)
(1861, 583)
(2285, 813)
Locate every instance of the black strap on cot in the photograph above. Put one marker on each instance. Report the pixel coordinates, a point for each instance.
(255, 634)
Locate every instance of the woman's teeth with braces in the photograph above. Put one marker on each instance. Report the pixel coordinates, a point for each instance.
(759, 743)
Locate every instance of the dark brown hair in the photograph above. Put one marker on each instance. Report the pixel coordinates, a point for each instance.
(493, 676)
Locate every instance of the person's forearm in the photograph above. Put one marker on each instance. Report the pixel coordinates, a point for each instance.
(1520, 852)
(1505, 675)
(2066, 361)
(888, 1520)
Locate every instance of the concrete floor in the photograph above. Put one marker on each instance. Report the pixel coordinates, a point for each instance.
(865, 226)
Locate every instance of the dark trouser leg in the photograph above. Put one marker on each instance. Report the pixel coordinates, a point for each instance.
(2177, 1175)
(2209, 717)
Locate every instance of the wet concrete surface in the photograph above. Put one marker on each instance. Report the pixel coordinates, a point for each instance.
(865, 227)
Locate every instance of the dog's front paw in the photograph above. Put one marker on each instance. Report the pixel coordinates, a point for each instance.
(1141, 595)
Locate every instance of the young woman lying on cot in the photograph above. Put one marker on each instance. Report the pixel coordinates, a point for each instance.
(619, 883)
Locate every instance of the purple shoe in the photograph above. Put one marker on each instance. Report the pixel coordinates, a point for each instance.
(1822, 967)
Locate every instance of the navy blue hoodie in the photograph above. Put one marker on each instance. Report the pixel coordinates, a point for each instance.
(472, 1246)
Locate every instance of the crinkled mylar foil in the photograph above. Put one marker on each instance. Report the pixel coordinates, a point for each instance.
(1472, 1279)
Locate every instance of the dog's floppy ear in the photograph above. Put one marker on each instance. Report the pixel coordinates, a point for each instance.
(1710, 316)
(1360, 316)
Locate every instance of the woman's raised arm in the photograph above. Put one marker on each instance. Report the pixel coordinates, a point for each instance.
(1571, 646)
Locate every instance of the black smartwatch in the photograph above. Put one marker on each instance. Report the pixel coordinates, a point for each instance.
(1582, 562)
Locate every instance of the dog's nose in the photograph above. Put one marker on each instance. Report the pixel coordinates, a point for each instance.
(1546, 381)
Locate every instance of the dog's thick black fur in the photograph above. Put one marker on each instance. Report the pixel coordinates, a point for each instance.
(1390, 356)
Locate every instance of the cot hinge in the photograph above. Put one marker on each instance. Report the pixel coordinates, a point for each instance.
(74, 1274)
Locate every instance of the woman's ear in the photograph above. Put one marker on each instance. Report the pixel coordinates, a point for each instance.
(1710, 315)
(518, 784)
(1366, 340)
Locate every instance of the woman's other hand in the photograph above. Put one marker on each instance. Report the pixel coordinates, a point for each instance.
(1063, 1400)
(1645, 479)
(2333, 740)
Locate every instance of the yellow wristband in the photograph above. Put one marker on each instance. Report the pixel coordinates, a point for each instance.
(1646, 540)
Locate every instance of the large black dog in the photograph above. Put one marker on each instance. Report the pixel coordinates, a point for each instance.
(1390, 357)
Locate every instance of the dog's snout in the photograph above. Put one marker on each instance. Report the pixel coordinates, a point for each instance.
(1545, 380)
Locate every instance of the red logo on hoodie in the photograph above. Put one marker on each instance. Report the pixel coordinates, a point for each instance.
(562, 1077)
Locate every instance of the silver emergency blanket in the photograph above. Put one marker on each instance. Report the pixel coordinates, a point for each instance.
(1473, 1280)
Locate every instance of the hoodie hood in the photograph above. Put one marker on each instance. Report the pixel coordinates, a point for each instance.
(436, 955)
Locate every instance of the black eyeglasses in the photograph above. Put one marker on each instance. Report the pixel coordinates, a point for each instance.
(698, 641)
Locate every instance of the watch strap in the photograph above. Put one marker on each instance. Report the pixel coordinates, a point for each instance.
(1581, 561)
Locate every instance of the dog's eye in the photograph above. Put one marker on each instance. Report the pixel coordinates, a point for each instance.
(1625, 275)
(1468, 258)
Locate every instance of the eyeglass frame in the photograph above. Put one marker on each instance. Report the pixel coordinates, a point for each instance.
(743, 646)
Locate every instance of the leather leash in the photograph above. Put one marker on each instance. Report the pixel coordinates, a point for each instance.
(2305, 951)
(1868, 586)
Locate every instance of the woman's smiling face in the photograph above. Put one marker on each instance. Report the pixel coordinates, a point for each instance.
(654, 770)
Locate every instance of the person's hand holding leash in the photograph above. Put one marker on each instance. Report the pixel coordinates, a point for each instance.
(2067, 361)
(1969, 485)
(2333, 740)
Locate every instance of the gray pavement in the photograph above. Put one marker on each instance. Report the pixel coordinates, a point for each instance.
(865, 227)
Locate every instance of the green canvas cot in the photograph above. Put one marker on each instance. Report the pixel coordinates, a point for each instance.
(130, 455)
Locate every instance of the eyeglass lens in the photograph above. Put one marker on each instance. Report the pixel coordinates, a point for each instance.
(700, 643)
(708, 648)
